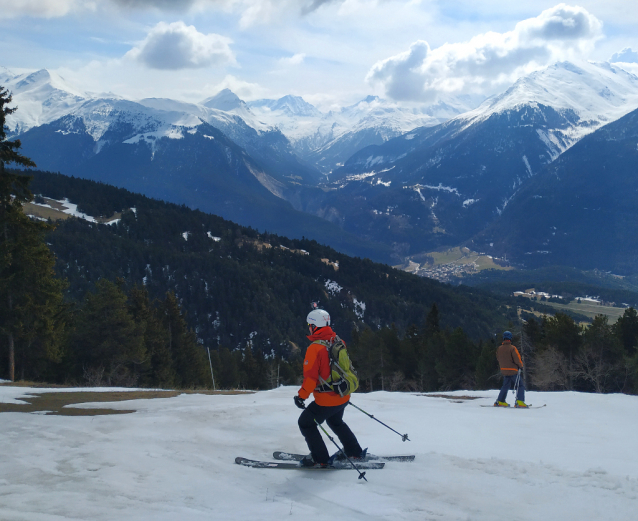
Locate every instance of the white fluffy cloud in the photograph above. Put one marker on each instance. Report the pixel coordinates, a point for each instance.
(180, 46)
(422, 73)
(627, 55)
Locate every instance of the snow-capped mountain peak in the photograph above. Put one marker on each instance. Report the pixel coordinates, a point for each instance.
(225, 100)
(43, 96)
(289, 105)
(295, 106)
(45, 80)
(596, 93)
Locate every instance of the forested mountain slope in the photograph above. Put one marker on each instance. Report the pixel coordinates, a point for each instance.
(241, 288)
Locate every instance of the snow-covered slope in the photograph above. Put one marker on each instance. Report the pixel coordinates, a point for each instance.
(174, 459)
(292, 106)
(588, 95)
(329, 139)
(227, 101)
(42, 96)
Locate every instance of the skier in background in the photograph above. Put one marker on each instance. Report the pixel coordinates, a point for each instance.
(511, 364)
(328, 405)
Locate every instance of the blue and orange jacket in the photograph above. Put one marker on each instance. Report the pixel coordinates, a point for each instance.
(317, 364)
(508, 358)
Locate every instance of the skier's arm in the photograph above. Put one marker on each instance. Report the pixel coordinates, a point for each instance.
(516, 358)
(310, 372)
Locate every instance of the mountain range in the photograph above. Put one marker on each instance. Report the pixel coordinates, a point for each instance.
(440, 186)
(372, 179)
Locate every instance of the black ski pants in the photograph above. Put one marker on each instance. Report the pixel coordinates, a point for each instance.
(333, 416)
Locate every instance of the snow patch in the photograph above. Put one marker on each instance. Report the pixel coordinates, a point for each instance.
(69, 209)
(360, 177)
(373, 161)
(332, 287)
(441, 188)
(529, 168)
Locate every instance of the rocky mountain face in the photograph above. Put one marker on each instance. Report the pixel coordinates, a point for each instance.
(441, 185)
(184, 153)
(581, 210)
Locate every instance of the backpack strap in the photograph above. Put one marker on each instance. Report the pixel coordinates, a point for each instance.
(323, 386)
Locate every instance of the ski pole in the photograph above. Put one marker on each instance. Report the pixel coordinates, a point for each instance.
(518, 376)
(403, 436)
(361, 474)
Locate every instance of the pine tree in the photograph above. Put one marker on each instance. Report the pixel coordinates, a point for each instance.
(158, 368)
(30, 296)
(43, 314)
(107, 340)
(626, 329)
(487, 366)
(188, 356)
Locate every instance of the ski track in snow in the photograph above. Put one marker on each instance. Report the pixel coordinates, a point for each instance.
(174, 459)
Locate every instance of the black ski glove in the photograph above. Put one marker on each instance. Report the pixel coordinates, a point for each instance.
(299, 402)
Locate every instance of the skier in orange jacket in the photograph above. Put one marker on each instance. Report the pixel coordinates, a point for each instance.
(328, 405)
(511, 364)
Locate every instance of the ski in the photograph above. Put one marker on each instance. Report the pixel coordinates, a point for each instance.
(338, 465)
(287, 456)
(512, 407)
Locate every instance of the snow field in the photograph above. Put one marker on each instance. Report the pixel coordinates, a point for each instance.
(174, 460)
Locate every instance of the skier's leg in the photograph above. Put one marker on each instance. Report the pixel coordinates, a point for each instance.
(310, 431)
(507, 384)
(520, 395)
(347, 438)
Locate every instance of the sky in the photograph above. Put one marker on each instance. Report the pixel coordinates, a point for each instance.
(331, 52)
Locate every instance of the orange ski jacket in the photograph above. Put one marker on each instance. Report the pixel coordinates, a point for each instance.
(509, 359)
(317, 364)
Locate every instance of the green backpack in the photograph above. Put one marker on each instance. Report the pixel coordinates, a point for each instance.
(343, 378)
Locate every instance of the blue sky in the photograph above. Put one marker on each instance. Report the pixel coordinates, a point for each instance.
(331, 52)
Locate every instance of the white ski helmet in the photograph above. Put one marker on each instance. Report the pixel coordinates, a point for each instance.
(318, 318)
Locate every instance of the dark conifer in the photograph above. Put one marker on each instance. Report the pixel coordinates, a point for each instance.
(30, 296)
(107, 340)
(188, 356)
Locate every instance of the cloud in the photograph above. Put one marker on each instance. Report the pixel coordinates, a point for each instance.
(179, 46)
(625, 56)
(245, 90)
(487, 60)
(168, 5)
(296, 59)
(41, 8)
(313, 5)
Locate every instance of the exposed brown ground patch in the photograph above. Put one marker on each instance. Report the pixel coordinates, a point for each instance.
(52, 403)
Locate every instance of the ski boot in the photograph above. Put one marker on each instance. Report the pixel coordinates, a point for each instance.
(521, 404)
(340, 456)
(501, 404)
(309, 462)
